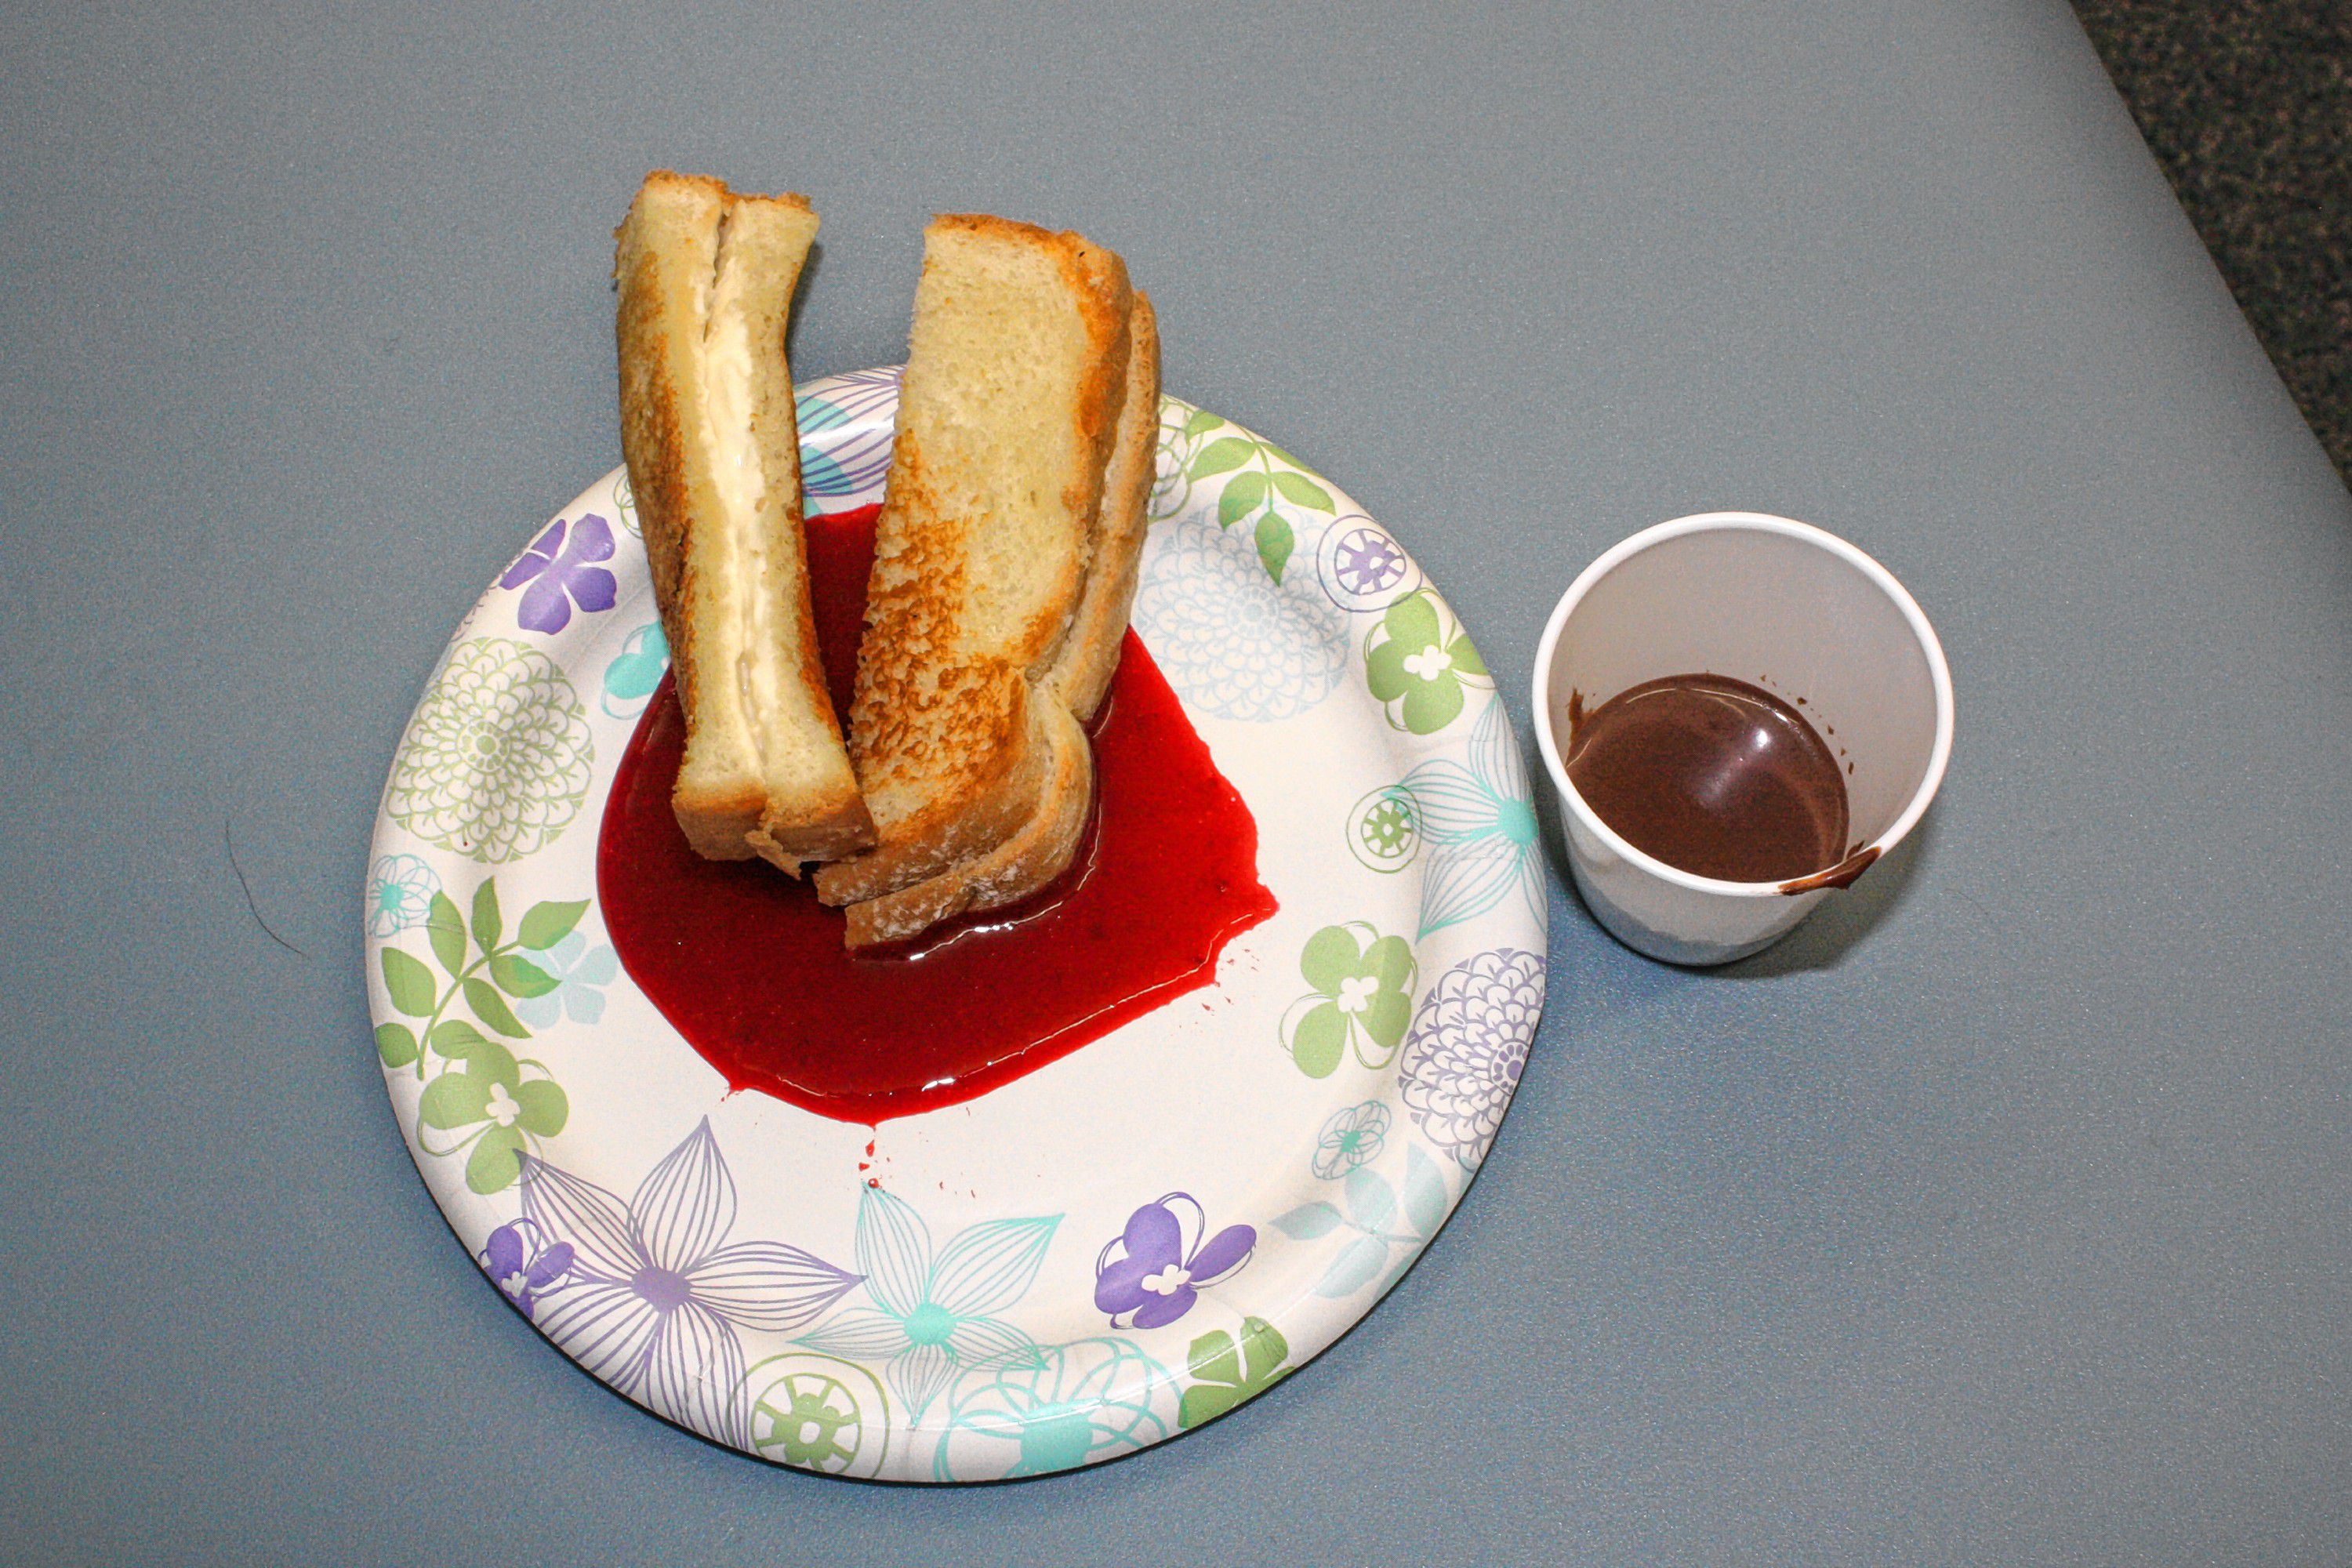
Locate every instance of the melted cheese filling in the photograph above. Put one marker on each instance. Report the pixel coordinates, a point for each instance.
(742, 489)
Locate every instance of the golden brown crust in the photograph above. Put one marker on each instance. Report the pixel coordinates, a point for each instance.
(1003, 762)
(1090, 657)
(660, 401)
(979, 774)
(821, 820)
(951, 765)
(1098, 280)
(825, 832)
(1038, 851)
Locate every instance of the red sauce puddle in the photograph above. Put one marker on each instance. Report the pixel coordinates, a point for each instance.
(747, 964)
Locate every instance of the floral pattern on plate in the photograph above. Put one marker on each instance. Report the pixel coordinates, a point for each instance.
(656, 1295)
(1468, 1046)
(989, 1291)
(497, 761)
(1231, 640)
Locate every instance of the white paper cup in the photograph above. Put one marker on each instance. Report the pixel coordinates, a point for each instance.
(1779, 604)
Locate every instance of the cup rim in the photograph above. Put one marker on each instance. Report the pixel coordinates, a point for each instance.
(1939, 676)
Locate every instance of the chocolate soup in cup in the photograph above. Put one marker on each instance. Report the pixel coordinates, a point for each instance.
(1740, 713)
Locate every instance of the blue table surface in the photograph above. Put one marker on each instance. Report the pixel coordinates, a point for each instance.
(1998, 1215)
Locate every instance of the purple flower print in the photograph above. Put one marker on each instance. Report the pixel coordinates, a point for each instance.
(521, 1263)
(656, 1291)
(1153, 1273)
(560, 571)
(1468, 1045)
(1368, 562)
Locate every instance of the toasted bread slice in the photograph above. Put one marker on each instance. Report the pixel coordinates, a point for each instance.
(1041, 848)
(1007, 420)
(1090, 655)
(1037, 852)
(707, 426)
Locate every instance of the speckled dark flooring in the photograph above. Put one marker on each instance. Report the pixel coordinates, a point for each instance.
(2248, 105)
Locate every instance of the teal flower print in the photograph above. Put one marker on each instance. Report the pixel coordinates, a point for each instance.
(636, 671)
(848, 469)
(1350, 1138)
(1417, 666)
(1381, 1235)
(1064, 1407)
(581, 974)
(400, 894)
(1479, 827)
(932, 1317)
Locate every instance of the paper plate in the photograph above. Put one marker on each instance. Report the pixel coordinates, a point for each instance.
(1116, 1249)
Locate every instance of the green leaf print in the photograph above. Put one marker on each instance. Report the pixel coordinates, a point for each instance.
(476, 1089)
(488, 1061)
(1221, 456)
(1388, 1234)
(1256, 487)
(1371, 1202)
(1308, 1221)
(409, 983)
(1424, 1193)
(445, 928)
(1275, 542)
(520, 977)
(486, 916)
(491, 1009)
(456, 1040)
(1244, 495)
(1356, 1267)
(1300, 490)
(395, 1044)
(544, 925)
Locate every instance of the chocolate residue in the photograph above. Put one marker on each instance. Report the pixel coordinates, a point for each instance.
(1575, 716)
(1712, 775)
(1841, 875)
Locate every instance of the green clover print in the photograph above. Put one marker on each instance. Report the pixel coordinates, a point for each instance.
(487, 1091)
(1229, 1373)
(475, 1088)
(1413, 664)
(1361, 1001)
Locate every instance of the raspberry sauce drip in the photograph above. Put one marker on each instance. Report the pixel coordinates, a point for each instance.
(750, 968)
